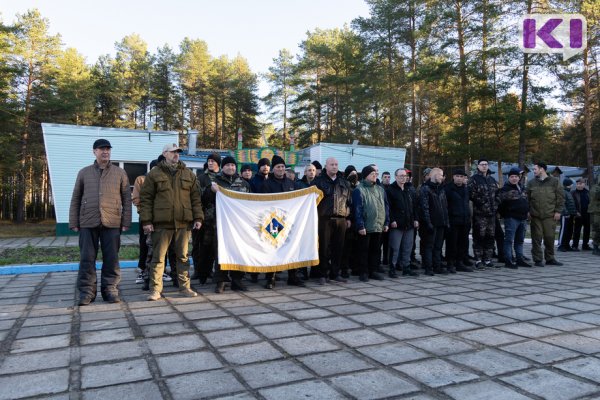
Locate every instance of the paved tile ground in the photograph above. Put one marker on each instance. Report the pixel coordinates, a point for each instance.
(497, 334)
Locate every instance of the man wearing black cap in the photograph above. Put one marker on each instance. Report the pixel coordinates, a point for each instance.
(568, 214)
(482, 192)
(204, 240)
(459, 215)
(546, 201)
(513, 208)
(371, 218)
(278, 182)
(263, 167)
(228, 179)
(100, 210)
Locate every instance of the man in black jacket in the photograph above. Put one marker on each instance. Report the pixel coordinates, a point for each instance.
(278, 182)
(582, 220)
(434, 221)
(403, 222)
(459, 215)
(334, 219)
(514, 208)
(204, 240)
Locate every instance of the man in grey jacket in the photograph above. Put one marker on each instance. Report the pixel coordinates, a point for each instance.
(100, 210)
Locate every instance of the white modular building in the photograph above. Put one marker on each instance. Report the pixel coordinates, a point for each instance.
(69, 148)
(386, 158)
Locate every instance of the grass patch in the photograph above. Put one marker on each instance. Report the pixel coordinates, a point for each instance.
(38, 255)
(44, 228)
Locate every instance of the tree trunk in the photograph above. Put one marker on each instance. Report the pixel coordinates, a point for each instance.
(462, 65)
(587, 99)
(523, 113)
(216, 121)
(413, 100)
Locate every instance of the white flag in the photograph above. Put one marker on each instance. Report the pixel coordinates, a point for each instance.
(268, 232)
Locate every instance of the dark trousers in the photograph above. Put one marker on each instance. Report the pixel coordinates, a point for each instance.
(332, 235)
(143, 248)
(385, 245)
(369, 250)
(90, 240)
(483, 237)
(566, 231)
(226, 276)
(204, 244)
(413, 253)
(581, 222)
(350, 252)
(457, 243)
(432, 243)
(499, 236)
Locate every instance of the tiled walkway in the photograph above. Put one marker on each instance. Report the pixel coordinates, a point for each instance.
(497, 334)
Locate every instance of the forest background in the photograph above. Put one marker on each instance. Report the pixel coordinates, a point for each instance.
(444, 79)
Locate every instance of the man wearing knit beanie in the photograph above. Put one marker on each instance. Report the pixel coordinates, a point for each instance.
(229, 179)
(318, 166)
(262, 174)
(205, 239)
(278, 182)
(246, 172)
(228, 160)
(371, 218)
(214, 157)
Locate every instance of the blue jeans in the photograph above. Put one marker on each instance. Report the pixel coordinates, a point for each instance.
(514, 231)
(401, 243)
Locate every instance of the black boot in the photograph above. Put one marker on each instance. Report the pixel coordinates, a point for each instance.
(407, 271)
(392, 274)
(596, 250)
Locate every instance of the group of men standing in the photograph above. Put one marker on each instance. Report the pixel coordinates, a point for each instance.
(357, 214)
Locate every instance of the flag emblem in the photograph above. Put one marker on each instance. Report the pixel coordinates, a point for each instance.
(273, 227)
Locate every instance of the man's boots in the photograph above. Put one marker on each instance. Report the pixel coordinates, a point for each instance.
(596, 250)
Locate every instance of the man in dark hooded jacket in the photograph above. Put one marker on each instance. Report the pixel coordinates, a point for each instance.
(513, 208)
(434, 221)
(459, 214)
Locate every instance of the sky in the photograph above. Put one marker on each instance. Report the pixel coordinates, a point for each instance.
(255, 29)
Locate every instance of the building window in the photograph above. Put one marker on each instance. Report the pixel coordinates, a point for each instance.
(133, 169)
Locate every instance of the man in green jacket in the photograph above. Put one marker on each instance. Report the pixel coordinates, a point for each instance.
(594, 210)
(546, 201)
(371, 216)
(170, 206)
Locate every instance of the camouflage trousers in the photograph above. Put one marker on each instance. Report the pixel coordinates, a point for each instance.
(596, 228)
(484, 229)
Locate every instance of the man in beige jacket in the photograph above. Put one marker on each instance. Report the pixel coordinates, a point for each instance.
(100, 210)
